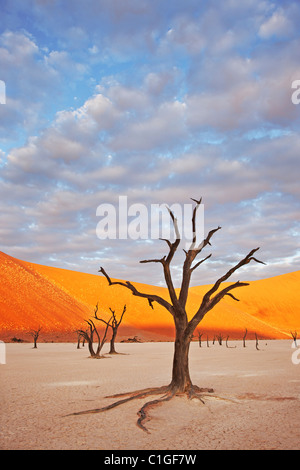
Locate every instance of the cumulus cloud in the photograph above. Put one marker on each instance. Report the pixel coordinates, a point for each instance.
(278, 25)
(174, 101)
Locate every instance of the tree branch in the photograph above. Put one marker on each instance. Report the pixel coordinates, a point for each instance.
(226, 276)
(208, 303)
(166, 261)
(162, 260)
(151, 297)
(124, 310)
(189, 258)
(200, 262)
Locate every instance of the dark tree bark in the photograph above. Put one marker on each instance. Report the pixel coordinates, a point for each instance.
(80, 338)
(220, 339)
(200, 339)
(244, 337)
(256, 342)
(176, 306)
(294, 336)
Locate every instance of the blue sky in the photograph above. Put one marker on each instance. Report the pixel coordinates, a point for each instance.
(159, 101)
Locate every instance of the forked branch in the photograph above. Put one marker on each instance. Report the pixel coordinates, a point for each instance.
(208, 302)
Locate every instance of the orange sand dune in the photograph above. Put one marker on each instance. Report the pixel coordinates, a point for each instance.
(29, 300)
(59, 300)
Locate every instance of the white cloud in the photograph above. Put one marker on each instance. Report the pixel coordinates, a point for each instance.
(172, 97)
(277, 25)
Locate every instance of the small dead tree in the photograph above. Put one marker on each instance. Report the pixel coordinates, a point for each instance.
(294, 336)
(89, 335)
(227, 346)
(220, 338)
(199, 338)
(244, 337)
(114, 324)
(207, 342)
(185, 322)
(256, 342)
(35, 335)
(79, 338)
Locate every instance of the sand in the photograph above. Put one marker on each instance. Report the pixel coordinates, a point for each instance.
(40, 387)
(60, 300)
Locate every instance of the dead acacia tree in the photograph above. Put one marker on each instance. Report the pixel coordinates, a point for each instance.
(35, 335)
(89, 335)
(256, 342)
(294, 336)
(244, 337)
(220, 338)
(200, 338)
(114, 324)
(185, 324)
(80, 338)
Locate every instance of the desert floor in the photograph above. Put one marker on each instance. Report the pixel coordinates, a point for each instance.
(39, 387)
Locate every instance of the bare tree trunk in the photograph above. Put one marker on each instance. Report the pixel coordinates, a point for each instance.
(112, 342)
(79, 338)
(35, 335)
(91, 348)
(244, 338)
(256, 344)
(181, 381)
(220, 339)
(294, 336)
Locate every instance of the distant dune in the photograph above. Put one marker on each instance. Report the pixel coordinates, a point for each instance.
(60, 300)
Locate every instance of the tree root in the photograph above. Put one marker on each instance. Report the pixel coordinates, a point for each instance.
(167, 391)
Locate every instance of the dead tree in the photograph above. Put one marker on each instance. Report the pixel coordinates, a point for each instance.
(185, 324)
(244, 337)
(220, 338)
(35, 335)
(294, 336)
(256, 342)
(114, 324)
(80, 338)
(199, 338)
(89, 336)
